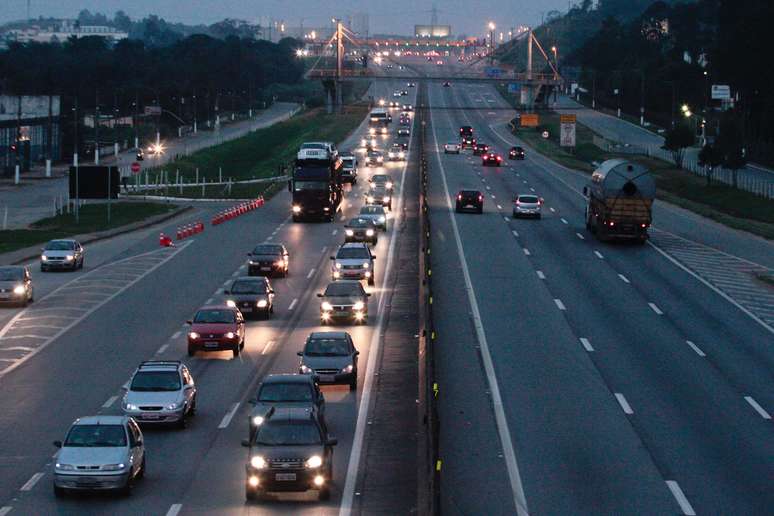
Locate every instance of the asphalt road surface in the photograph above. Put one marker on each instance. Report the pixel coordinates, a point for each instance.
(70, 352)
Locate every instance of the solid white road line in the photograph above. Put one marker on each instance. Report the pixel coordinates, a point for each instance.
(32, 481)
(599, 255)
(311, 273)
(229, 416)
(503, 431)
(655, 308)
(526, 251)
(586, 344)
(696, 348)
(580, 236)
(760, 410)
(685, 505)
(624, 404)
(109, 402)
(563, 221)
(162, 349)
(540, 275)
(174, 509)
(293, 304)
(559, 304)
(624, 278)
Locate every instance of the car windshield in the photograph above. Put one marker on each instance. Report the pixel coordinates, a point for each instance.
(348, 253)
(156, 381)
(529, 199)
(327, 347)
(94, 436)
(273, 392)
(11, 274)
(374, 154)
(314, 146)
(215, 316)
(360, 223)
(343, 289)
(380, 178)
(377, 192)
(348, 162)
(286, 433)
(60, 245)
(371, 210)
(248, 287)
(301, 186)
(268, 249)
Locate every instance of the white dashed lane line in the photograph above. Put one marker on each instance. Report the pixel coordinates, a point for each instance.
(624, 404)
(229, 416)
(559, 304)
(586, 344)
(696, 348)
(162, 349)
(552, 210)
(540, 275)
(526, 251)
(655, 308)
(334, 232)
(682, 501)
(174, 509)
(32, 481)
(580, 236)
(624, 278)
(599, 255)
(515, 233)
(760, 410)
(311, 273)
(110, 402)
(293, 304)
(500, 208)
(563, 221)
(176, 335)
(5, 510)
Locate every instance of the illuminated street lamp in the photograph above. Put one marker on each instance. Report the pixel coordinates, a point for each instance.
(491, 41)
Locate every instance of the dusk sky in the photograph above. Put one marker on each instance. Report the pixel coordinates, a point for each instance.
(396, 16)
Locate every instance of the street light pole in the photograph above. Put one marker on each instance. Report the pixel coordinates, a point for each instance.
(491, 42)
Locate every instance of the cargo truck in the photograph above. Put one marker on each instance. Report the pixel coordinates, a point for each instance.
(316, 182)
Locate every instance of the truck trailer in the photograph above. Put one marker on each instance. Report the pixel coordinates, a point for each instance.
(316, 183)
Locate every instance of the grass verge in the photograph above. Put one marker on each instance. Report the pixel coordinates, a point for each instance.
(93, 218)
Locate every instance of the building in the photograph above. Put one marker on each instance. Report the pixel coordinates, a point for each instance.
(29, 130)
(432, 31)
(62, 31)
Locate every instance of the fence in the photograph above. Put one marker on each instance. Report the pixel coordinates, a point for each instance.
(745, 180)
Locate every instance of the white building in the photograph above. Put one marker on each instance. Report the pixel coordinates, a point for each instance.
(63, 31)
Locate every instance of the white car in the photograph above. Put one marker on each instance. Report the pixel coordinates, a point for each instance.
(527, 206)
(375, 213)
(451, 148)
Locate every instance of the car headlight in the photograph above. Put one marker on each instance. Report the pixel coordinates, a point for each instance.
(230, 335)
(372, 131)
(231, 303)
(381, 218)
(257, 421)
(386, 198)
(18, 289)
(306, 369)
(315, 461)
(113, 467)
(64, 467)
(326, 306)
(338, 265)
(358, 306)
(69, 257)
(193, 335)
(43, 257)
(174, 406)
(262, 303)
(296, 209)
(130, 406)
(366, 265)
(251, 262)
(380, 159)
(369, 232)
(336, 274)
(347, 369)
(370, 199)
(349, 232)
(388, 185)
(258, 462)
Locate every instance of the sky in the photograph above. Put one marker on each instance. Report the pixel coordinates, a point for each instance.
(393, 16)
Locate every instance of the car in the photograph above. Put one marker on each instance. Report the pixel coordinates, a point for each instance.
(62, 254)
(396, 153)
(397, 94)
(16, 285)
(375, 213)
(99, 453)
(369, 144)
(160, 391)
(480, 148)
(451, 148)
(467, 142)
(349, 168)
(408, 108)
(446, 84)
(252, 295)
(411, 84)
(403, 145)
(527, 205)
(268, 260)
(285, 391)
(291, 451)
(406, 114)
(469, 200)
(404, 93)
(466, 130)
(353, 260)
(139, 155)
(403, 132)
(374, 159)
(491, 159)
(516, 153)
(331, 356)
(404, 120)
(389, 67)
(394, 104)
(382, 180)
(361, 230)
(377, 130)
(344, 300)
(379, 195)
(216, 328)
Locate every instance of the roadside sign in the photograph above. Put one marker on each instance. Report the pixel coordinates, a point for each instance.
(529, 120)
(567, 131)
(135, 168)
(514, 87)
(567, 119)
(721, 92)
(152, 110)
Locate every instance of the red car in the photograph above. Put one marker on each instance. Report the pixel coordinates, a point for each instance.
(491, 159)
(217, 328)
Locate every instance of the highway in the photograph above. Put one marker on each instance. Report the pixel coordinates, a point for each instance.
(584, 377)
(76, 346)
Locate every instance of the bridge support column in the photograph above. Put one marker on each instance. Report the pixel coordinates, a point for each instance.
(330, 96)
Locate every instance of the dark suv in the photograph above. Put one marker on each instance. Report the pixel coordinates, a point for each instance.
(285, 391)
(291, 451)
(470, 200)
(331, 355)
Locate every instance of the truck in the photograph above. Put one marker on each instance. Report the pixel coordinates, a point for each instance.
(378, 121)
(619, 201)
(316, 182)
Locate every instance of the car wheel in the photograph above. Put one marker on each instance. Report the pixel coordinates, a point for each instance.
(59, 492)
(353, 384)
(325, 494)
(539, 216)
(191, 351)
(271, 308)
(141, 473)
(252, 495)
(43, 269)
(371, 281)
(242, 344)
(127, 489)
(181, 423)
(481, 209)
(192, 410)
(235, 350)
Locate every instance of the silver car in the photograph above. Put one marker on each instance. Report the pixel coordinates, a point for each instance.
(160, 391)
(375, 213)
(527, 206)
(100, 453)
(15, 285)
(61, 254)
(353, 261)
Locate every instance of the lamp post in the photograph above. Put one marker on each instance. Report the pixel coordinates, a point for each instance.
(556, 62)
(491, 42)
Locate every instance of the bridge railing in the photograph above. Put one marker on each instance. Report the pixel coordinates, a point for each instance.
(541, 78)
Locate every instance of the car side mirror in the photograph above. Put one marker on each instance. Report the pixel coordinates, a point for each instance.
(319, 294)
(373, 257)
(189, 321)
(300, 353)
(246, 443)
(357, 352)
(332, 257)
(332, 441)
(58, 444)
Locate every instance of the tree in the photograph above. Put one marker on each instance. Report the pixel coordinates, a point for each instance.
(677, 140)
(709, 158)
(730, 144)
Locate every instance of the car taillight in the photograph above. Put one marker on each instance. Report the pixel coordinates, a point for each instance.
(459, 197)
(480, 198)
(499, 158)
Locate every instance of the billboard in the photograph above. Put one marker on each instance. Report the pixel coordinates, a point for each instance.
(432, 31)
(94, 182)
(721, 92)
(529, 120)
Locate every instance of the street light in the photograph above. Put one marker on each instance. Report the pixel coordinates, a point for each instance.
(491, 42)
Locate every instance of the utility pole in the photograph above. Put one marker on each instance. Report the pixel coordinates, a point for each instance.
(339, 64)
(642, 97)
(96, 126)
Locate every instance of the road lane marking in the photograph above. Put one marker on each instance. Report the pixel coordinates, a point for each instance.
(488, 187)
(493, 196)
(504, 433)
(162, 349)
(5, 510)
(334, 232)
(175, 335)
(655, 308)
(229, 416)
(599, 255)
(515, 233)
(32, 481)
(531, 189)
(506, 218)
(311, 273)
(682, 501)
(325, 248)
(526, 251)
(540, 275)
(267, 347)
(696, 348)
(174, 509)
(563, 221)
(293, 304)
(624, 404)
(500, 208)
(552, 210)
(235, 274)
(760, 410)
(559, 304)
(624, 278)
(586, 344)
(209, 301)
(580, 236)
(109, 402)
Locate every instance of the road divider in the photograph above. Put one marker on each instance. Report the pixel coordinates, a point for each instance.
(237, 210)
